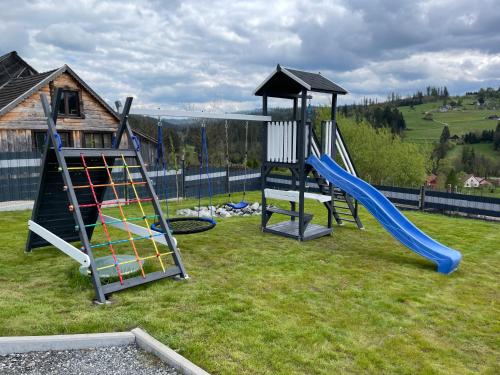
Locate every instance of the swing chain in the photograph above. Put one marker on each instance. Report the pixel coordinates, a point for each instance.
(228, 163)
(245, 161)
(204, 157)
(160, 157)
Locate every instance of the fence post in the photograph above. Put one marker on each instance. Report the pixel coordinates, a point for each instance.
(183, 179)
(421, 203)
(226, 179)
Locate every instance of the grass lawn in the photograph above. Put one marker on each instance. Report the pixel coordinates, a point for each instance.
(485, 149)
(459, 122)
(356, 302)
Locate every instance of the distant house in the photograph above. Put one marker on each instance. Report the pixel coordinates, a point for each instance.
(85, 119)
(454, 137)
(431, 180)
(445, 108)
(474, 181)
(495, 181)
(485, 182)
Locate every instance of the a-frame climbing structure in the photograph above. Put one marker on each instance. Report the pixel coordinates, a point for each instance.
(70, 203)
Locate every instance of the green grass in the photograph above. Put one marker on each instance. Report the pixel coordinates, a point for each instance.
(459, 122)
(485, 149)
(355, 302)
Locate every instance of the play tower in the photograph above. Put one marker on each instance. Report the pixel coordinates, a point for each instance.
(288, 144)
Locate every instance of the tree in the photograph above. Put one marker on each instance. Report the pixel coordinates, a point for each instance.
(440, 151)
(480, 97)
(445, 92)
(496, 138)
(379, 155)
(468, 159)
(445, 135)
(452, 178)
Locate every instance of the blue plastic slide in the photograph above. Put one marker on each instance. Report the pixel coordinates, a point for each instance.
(388, 215)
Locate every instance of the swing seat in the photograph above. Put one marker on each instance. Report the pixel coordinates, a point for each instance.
(187, 225)
(237, 206)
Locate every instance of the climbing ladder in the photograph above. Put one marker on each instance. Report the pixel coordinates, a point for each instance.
(70, 207)
(344, 207)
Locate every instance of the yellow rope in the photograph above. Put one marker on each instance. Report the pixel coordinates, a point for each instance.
(134, 260)
(124, 219)
(143, 214)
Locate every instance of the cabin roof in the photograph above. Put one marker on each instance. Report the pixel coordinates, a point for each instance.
(13, 66)
(23, 81)
(18, 89)
(287, 83)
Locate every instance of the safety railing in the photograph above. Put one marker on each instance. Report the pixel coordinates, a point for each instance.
(282, 141)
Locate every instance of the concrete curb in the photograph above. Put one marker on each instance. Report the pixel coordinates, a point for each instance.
(26, 344)
(174, 359)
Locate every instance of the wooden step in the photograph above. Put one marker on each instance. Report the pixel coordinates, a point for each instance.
(293, 196)
(277, 210)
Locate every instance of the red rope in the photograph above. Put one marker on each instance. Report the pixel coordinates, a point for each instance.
(124, 219)
(101, 217)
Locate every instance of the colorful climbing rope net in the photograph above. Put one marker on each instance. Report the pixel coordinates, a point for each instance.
(105, 222)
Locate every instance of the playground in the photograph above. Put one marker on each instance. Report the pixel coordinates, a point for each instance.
(356, 302)
(326, 290)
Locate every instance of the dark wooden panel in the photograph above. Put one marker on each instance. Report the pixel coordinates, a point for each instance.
(54, 213)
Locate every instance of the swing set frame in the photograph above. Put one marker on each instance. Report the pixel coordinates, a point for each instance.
(200, 224)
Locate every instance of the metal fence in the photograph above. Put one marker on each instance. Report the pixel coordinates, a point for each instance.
(19, 174)
(420, 198)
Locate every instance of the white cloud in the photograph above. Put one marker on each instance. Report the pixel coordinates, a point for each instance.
(196, 53)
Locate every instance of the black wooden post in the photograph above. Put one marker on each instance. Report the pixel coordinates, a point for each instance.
(149, 186)
(421, 205)
(301, 161)
(77, 216)
(295, 104)
(295, 118)
(263, 167)
(333, 147)
(334, 126)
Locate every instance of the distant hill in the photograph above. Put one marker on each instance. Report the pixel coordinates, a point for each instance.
(469, 117)
(425, 115)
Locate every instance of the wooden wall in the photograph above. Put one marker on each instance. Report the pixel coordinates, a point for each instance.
(16, 126)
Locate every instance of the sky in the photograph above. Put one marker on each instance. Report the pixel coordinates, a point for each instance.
(212, 54)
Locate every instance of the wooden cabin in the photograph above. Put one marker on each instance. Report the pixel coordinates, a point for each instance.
(85, 119)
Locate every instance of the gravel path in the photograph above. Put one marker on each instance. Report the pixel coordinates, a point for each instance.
(126, 360)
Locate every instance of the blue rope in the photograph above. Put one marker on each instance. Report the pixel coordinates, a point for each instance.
(136, 142)
(205, 151)
(58, 140)
(160, 157)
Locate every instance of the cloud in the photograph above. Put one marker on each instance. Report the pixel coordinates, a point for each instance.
(196, 53)
(68, 37)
